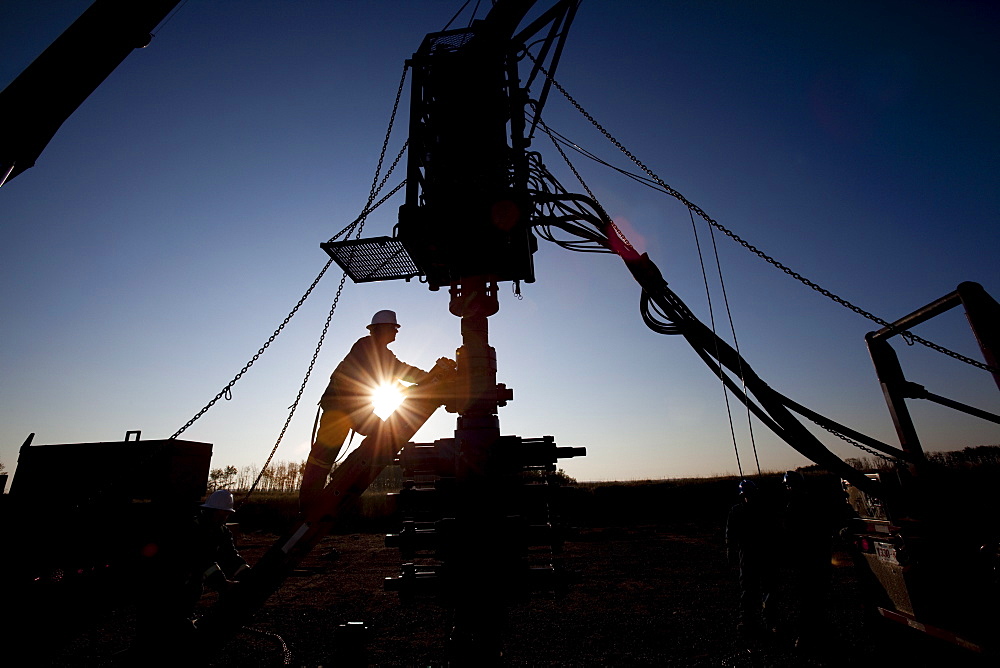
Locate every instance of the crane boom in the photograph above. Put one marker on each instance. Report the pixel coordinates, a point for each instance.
(35, 104)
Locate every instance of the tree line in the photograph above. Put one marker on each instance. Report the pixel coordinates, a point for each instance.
(277, 477)
(284, 477)
(976, 456)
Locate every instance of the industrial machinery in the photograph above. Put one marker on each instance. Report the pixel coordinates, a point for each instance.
(929, 542)
(42, 97)
(475, 194)
(82, 514)
(465, 225)
(477, 201)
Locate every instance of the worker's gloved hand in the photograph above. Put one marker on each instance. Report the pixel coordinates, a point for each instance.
(447, 363)
(442, 369)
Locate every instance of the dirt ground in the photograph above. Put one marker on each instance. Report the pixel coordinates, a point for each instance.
(652, 595)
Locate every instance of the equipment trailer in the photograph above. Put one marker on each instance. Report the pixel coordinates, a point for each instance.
(78, 523)
(929, 547)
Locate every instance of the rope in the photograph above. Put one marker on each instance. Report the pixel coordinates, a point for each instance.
(461, 9)
(732, 328)
(602, 213)
(711, 315)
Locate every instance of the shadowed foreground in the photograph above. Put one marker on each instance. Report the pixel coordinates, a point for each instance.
(656, 594)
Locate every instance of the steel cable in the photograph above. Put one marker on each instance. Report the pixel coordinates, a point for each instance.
(753, 249)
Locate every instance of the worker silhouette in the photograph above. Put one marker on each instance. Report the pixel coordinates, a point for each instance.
(347, 401)
(182, 560)
(810, 521)
(748, 533)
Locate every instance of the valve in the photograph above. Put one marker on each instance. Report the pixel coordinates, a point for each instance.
(504, 522)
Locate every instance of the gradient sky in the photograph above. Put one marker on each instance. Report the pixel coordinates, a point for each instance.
(176, 217)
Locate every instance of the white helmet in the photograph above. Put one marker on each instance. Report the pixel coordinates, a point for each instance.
(384, 318)
(220, 500)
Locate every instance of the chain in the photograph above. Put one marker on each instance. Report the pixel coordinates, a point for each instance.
(392, 167)
(367, 211)
(753, 249)
(860, 446)
(376, 186)
(600, 209)
(286, 654)
(298, 397)
(227, 390)
(359, 223)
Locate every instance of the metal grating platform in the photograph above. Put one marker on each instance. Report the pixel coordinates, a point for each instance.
(452, 40)
(375, 259)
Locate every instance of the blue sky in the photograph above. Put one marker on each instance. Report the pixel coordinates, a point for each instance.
(176, 217)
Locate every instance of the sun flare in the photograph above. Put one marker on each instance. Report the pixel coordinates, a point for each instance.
(386, 399)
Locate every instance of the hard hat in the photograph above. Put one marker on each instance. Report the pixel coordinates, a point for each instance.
(384, 318)
(220, 500)
(747, 487)
(793, 479)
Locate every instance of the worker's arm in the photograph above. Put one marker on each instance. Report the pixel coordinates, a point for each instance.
(229, 557)
(412, 374)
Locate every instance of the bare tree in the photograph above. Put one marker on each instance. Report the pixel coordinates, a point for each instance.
(222, 478)
(280, 476)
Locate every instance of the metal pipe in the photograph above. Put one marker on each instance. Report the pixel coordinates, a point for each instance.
(959, 406)
(924, 314)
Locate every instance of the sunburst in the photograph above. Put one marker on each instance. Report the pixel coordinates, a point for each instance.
(386, 398)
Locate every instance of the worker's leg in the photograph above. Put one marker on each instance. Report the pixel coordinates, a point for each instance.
(334, 426)
(750, 608)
